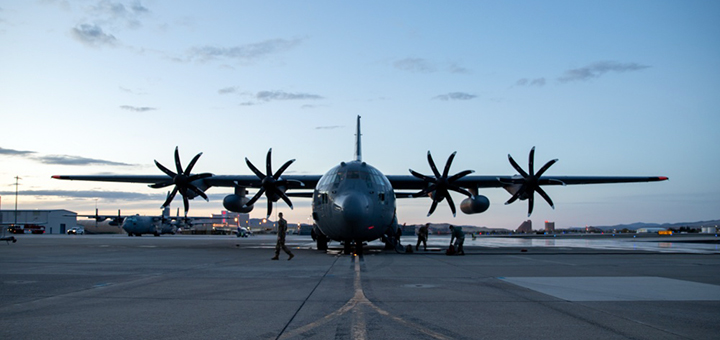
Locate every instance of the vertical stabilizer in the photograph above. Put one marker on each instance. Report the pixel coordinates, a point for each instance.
(358, 148)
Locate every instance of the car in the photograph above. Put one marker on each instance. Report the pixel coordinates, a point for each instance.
(243, 232)
(76, 231)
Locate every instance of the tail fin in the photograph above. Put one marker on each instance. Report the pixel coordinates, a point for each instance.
(166, 212)
(358, 149)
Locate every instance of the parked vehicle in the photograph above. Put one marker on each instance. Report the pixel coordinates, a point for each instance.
(76, 231)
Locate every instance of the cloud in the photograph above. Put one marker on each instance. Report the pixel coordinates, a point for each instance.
(456, 96)
(59, 159)
(248, 52)
(228, 90)
(540, 82)
(330, 127)
(131, 91)
(75, 160)
(282, 95)
(418, 65)
(92, 35)
(106, 195)
(117, 12)
(137, 109)
(454, 68)
(597, 69)
(11, 152)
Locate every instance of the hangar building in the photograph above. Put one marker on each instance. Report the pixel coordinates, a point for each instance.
(39, 221)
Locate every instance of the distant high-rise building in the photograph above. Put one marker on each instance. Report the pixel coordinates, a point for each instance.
(549, 227)
(525, 227)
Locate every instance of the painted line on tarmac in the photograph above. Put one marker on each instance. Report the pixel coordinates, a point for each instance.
(356, 304)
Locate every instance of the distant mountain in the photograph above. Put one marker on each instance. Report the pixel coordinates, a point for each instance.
(638, 225)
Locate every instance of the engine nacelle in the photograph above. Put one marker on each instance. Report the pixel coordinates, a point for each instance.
(475, 204)
(236, 203)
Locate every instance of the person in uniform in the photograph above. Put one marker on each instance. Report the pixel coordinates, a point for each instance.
(422, 236)
(282, 230)
(458, 235)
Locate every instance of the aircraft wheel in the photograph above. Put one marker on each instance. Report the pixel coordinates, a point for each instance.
(156, 234)
(130, 235)
(322, 243)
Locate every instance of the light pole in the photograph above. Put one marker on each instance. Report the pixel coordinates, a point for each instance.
(16, 198)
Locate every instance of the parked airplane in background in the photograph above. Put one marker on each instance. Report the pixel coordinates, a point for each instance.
(137, 225)
(354, 202)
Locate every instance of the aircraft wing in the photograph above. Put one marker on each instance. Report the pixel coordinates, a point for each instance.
(411, 182)
(398, 182)
(115, 178)
(250, 181)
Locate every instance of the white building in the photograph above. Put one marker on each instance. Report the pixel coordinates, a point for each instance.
(40, 221)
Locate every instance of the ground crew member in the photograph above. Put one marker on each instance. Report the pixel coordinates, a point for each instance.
(422, 236)
(458, 235)
(282, 230)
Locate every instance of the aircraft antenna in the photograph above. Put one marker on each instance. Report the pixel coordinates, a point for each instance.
(358, 149)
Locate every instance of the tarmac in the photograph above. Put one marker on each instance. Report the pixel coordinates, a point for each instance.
(223, 287)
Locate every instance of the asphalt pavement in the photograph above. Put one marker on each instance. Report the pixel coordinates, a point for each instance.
(223, 287)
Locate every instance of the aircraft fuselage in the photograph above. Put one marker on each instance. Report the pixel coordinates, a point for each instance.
(354, 202)
(138, 225)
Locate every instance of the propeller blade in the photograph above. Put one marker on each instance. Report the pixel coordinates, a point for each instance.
(192, 163)
(255, 198)
(459, 190)
(198, 191)
(516, 195)
(448, 163)
(254, 169)
(451, 203)
(269, 208)
(186, 204)
(178, 166)
(284, 198)
(432, 208)
(283, 168)
(421, 176)
(165, 170)
(531, 161)
(432, 165)
(161, 185)
(460, 175)
(545, 196)
(170, 197)
(531, 200)
(517, 167)
(545, 167)
(268, 163)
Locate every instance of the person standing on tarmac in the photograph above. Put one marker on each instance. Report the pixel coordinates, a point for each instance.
(458, 235)
(422, 236)
(282, 230)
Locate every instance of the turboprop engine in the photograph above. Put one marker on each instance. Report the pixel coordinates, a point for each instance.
(236, 203)
(475, 204)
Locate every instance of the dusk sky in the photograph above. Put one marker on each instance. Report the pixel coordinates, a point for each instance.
(609, 88)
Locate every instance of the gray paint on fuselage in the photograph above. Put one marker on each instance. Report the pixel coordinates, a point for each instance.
(146, 225)
(354, 201)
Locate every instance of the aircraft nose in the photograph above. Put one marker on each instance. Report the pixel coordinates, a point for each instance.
(354, 209)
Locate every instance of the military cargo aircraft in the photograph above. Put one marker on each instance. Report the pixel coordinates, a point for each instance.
(354, 202)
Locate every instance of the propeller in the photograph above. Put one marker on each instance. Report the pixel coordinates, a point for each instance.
(273, 186)
(182, 180)
(440, 184)
(530, 182)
